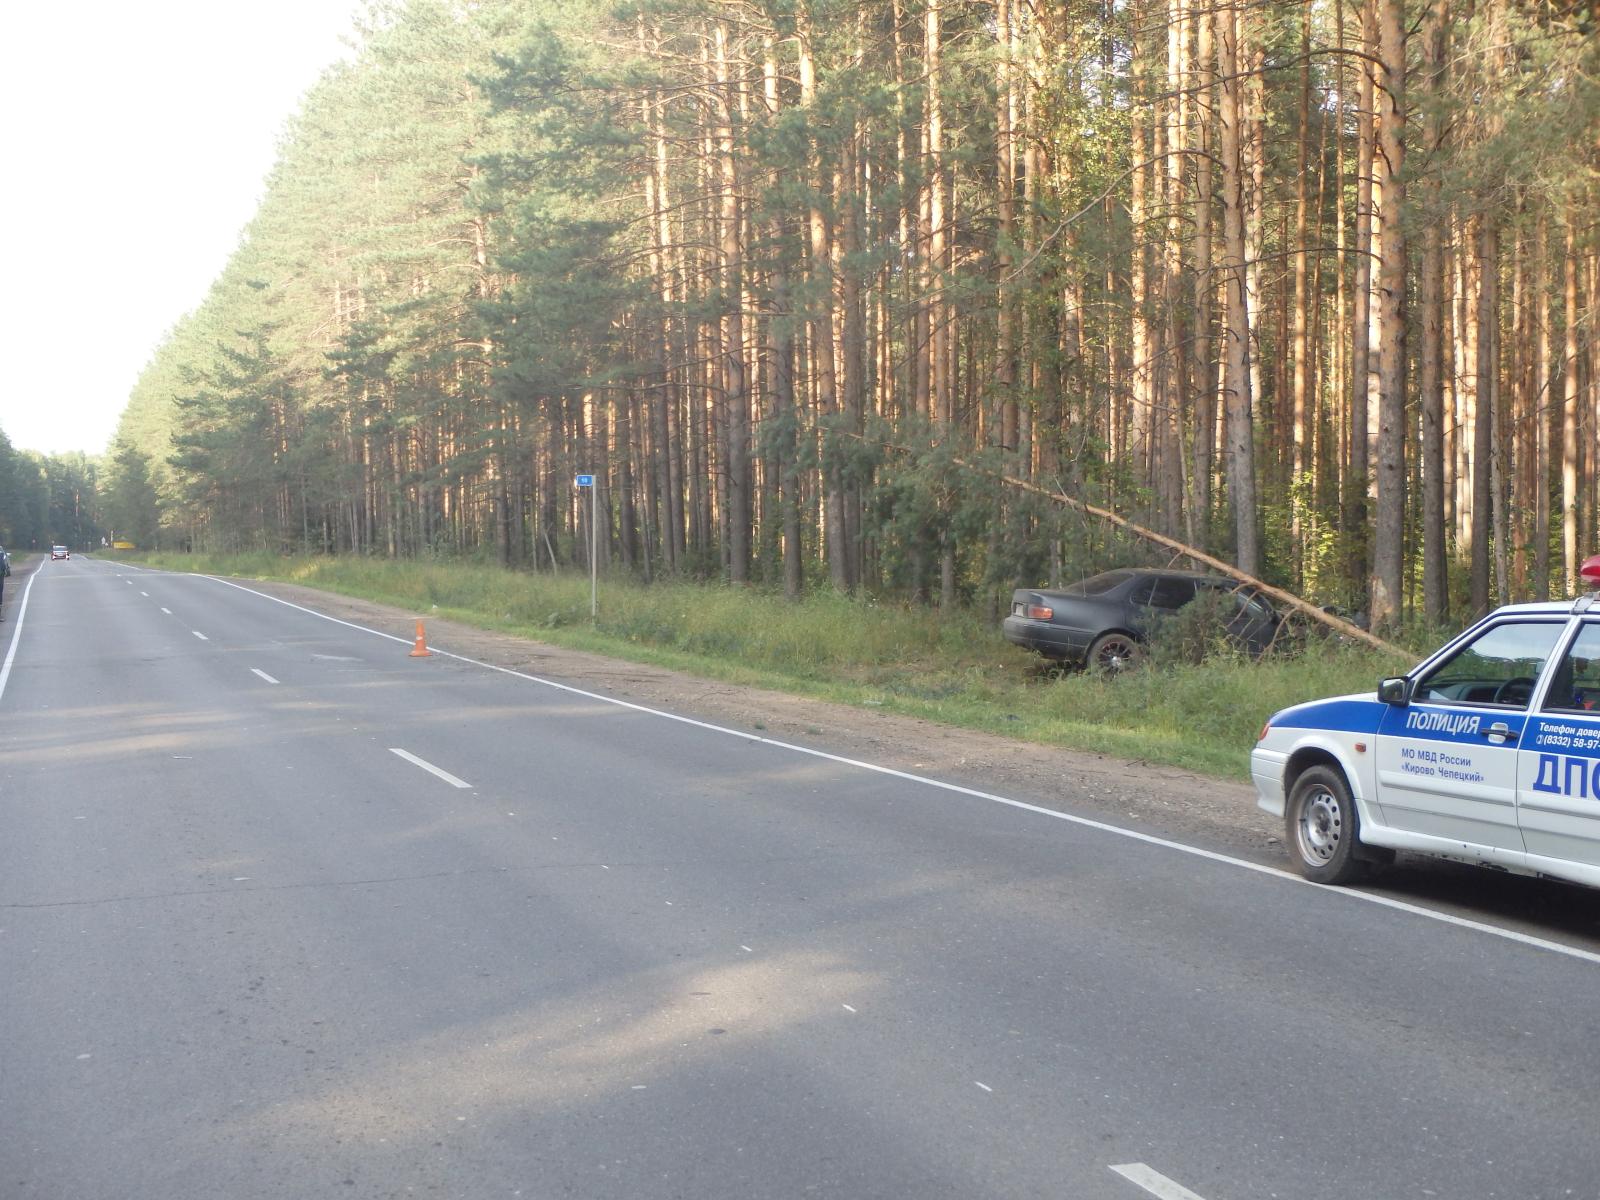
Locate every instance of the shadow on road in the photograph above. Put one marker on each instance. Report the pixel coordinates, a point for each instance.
(1541, 907)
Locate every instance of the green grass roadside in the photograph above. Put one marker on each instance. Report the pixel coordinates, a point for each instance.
(956, 670)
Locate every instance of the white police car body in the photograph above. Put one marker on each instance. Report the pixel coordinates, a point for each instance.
(1487, 752)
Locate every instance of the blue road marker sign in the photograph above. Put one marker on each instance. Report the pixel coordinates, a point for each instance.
(585, 480)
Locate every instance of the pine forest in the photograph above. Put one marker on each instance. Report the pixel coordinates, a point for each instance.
(845, 294)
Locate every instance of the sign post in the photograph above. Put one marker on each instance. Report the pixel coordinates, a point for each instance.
(587, 481)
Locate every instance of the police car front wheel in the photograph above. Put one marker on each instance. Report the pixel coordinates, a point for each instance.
(1323, 829)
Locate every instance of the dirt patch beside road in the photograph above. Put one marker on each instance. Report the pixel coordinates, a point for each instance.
(1159, 800)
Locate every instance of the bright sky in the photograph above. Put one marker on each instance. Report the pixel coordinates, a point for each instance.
(135, 135)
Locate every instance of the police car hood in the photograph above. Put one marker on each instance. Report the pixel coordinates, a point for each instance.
(1356, 713)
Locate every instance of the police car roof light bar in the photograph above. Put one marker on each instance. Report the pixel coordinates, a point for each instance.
(1589, 572)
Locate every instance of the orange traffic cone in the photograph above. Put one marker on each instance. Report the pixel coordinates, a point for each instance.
(420, 650)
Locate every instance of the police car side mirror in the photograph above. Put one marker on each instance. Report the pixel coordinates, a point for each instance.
(1396, 690)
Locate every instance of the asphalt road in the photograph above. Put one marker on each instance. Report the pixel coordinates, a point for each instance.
(285, 912)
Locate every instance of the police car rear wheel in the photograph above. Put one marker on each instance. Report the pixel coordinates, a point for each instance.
(1323, 829)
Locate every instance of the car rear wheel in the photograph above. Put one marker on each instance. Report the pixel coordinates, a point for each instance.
(1323, 829)
(1114, 652)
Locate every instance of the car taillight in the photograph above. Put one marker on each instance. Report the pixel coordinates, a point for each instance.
(1265, 729)
(1039, 612)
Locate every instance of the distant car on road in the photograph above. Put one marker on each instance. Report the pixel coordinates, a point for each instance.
(1102, 622)
(59, 552)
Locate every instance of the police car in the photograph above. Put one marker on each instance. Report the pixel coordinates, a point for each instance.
(1488, 752)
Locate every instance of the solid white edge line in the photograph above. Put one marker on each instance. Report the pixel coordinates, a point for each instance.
(263, 674)
(1154, 1182)
(429, 767)
(1511, 935)
(16, 633)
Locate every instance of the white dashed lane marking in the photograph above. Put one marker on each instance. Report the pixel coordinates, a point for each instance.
(200, 635)
(263, 674)
(1154, 1182)
(1291, 878)
(168, 611)
(429, 767)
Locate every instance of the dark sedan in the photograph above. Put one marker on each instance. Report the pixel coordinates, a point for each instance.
(1103, 622)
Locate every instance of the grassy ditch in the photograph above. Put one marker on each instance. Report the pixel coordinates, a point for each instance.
(1202, 716)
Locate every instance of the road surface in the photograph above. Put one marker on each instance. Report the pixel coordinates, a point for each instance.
(286, 912)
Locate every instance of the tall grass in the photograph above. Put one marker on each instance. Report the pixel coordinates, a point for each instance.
(954, 668)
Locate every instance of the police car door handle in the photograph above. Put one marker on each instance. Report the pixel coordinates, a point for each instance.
(1500, 730)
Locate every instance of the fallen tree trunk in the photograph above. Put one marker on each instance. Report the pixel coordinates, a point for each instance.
(1288, 599)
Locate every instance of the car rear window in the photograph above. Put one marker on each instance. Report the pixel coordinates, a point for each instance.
(1099, 585)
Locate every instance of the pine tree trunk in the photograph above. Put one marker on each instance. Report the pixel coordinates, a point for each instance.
(1487, 249)
(1358, 478)
(822, 316)
(1389, 533)
(735, 387)
(1592, 422)
(939, 333)
(1170, 470)
(1572, 456)
(664, 399)
(784, 465)
(853, 340)
(1253, 154)
(1302, 443)
(1435, 600)
(1520, 484)
(1544, 304)
(1005, 367)
(1140, 398)
(1203, 373)
(1240, 448)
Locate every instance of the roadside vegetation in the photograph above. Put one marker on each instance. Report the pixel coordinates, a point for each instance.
(1197, 704)
(798, 283)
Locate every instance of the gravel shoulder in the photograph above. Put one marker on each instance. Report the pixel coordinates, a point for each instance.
(1160, 800)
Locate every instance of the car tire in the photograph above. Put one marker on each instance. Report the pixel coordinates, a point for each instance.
(1323, 829)
(1113, 653)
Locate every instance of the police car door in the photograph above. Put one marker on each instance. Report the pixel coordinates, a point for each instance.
(1559, 764)
(1447, 761)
